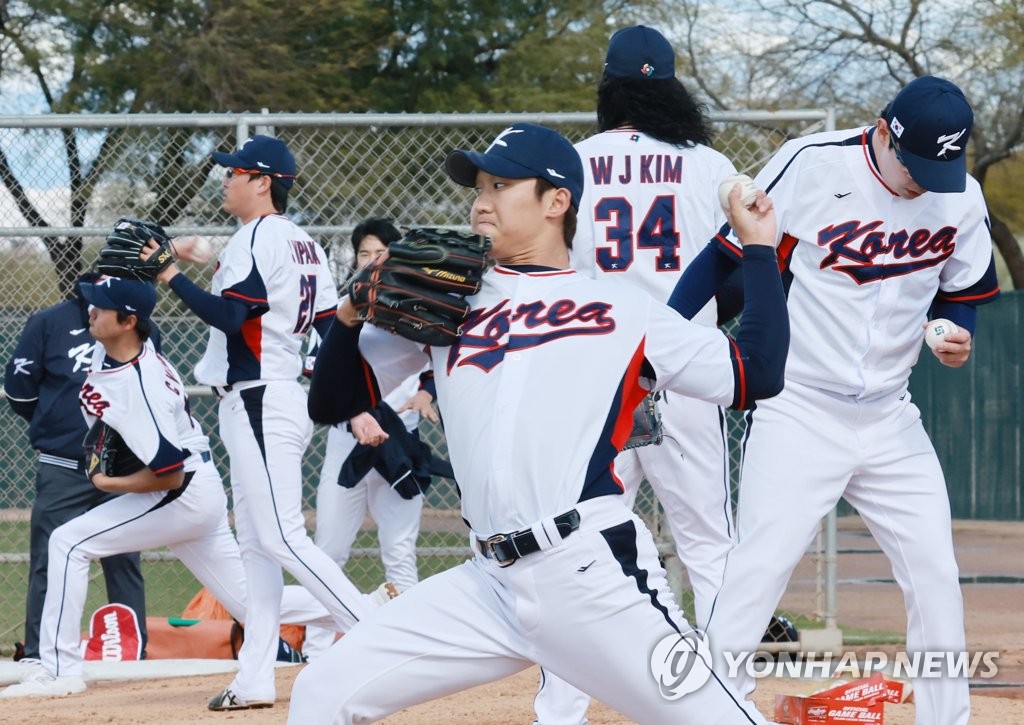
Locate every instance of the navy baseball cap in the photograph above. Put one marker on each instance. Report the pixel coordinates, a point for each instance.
(262, 153)
(640, 52)
(131, 296)
(523, 151)
(931, 121)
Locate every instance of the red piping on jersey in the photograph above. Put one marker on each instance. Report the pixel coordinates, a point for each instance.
(784, 250)
(546, 273)
(252, 333)
(133, 361)
(368, 379)
(952, 296)
(257, 300)
(632, 394)
(168, 469)
(326, 313)
(871, 166)
(727, 243)
(741, 400)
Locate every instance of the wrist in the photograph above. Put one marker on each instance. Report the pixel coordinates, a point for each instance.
(347, 314)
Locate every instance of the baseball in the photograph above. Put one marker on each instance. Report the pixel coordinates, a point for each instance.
(937, 330)
(193, 249)
(748, 192)
(202, 252)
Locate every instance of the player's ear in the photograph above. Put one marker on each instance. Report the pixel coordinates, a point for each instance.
(559, 201)
(882, 129)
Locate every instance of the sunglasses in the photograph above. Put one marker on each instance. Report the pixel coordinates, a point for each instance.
(896, 150)
(255, 172)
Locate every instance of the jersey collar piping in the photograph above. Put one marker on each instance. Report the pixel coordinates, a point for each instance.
(872, 162)
(532, 270)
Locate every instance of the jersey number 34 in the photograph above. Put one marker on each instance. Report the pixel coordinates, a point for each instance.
(656, 231)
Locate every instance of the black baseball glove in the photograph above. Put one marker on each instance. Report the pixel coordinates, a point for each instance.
(419, 290)
(120, 256)
(107, 453)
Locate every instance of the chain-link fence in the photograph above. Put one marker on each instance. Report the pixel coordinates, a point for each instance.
(66, 179)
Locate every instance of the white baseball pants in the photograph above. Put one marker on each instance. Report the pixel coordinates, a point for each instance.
(194, 526)
(590, 609)
(266, 432)
(806, 448)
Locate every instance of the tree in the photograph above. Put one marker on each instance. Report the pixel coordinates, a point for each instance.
(170, 55)
(854, 56)
(245, 55)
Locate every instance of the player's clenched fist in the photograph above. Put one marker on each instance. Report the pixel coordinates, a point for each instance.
(754, 224)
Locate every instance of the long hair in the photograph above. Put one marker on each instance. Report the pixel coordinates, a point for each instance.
(661, 108)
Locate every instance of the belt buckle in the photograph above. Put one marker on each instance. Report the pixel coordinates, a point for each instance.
(489, 544)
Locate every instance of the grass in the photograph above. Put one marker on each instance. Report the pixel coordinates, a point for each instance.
(170, 585)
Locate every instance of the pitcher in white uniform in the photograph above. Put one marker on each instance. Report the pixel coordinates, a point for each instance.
(537, 398)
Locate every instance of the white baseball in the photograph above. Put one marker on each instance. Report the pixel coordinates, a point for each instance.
(202, 252)
(938, 330)
(748, 192)
(193, 249)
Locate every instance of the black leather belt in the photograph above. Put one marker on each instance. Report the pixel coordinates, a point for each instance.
(220, 391)
(506, 548)
(205, 456)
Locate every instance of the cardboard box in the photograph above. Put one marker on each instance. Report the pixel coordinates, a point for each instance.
(797, 710)
(857, 701)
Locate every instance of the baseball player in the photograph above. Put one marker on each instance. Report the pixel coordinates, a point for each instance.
(176, 500)
(537, 397)
(41, 384)
(649, 205)
(880, 228)
(271, 286)
(340, 510)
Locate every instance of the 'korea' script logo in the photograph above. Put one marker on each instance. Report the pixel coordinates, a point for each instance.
(855, 247)
(486, 335)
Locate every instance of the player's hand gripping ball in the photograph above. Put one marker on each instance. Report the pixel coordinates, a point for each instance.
(937, 330)
(748, 192)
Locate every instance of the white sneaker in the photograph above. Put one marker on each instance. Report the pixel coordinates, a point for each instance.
(383, 594)
(40, 683)
(28, 667)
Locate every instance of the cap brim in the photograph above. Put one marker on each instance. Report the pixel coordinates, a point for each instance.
(462, 167)
(97, 296)
(230, 160)
(942, 177)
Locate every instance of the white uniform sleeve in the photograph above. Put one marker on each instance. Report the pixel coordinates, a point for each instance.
(973, 252)
(326, 289)
(687, 358)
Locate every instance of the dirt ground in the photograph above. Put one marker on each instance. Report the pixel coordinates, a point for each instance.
(991, 566)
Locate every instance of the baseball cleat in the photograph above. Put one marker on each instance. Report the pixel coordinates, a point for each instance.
(40, 683)
(28, 667)
(383, 594)
(228, 700)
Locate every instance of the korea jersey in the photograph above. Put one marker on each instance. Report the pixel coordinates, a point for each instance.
(647, 209)
(144, 400)
(276, 269)
(523, 326)
(863, 265)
